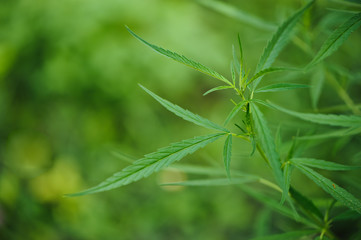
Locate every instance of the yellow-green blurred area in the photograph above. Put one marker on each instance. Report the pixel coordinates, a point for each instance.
(71, 112)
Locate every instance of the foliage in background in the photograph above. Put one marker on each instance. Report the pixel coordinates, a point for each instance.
(68, 100)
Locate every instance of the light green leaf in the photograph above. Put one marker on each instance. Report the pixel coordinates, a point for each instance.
(234, 111)
(266, 142)
(322, 164)
(182, 59)
(185, 114)
(238, 14)
(236, 63)
(279, 41)
(213, 182)
(269, 70)
(317, 80)
(281, 87)
(287, 171)
(152, 162)
(217, 89)
(332, 188)
(227, 154)
(336, 39)
(233, 73)
(327, 119)
(288, 236)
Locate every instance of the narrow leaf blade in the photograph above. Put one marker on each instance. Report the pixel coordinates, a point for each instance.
(234, 111)
(327, 119)
(336, 39)
(332, 188)
(182, 59)
(279, 41)
(281, 87)
(216, 89)
(152, 162)
(185, 114)
(227, 154)
(266, 71)
(267, 144)
(322, 164)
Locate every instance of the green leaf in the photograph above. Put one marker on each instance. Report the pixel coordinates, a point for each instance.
(279, 41)
(233, 73)
(269, 70)
(336, 39)
(288, 236)
(327, 119)
(306, 204)
(152, 162)
(238, 14)
(317, 80)
(282, 209)
(227, 154)
(182, 59)
(287, 172)
(234, 111)
(236, 63)
(322, 164)
(213, 182)
(267, 144)
(332, 134)
(199, 170)
(185, 114)
(332, 188)
(217, 89)
(281, 87)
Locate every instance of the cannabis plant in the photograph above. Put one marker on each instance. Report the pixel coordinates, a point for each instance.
(315, 220)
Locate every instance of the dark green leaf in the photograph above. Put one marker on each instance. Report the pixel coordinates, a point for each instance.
(152, 162)
(182, 59)
(185, 114)
(288, 236)
(306, 204)
(332, 188)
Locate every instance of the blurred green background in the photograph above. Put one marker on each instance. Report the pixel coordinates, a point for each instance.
(70, 105)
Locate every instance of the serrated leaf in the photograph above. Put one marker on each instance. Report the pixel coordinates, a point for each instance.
(336, 39)
(243, 16)
(327, 119)
(306, 204)
(279, 41)
(266, 142)
(182, 59)
(332, 188)
(322, 164)
(234, 111)
(185, 114)
(288, 235)
(213, 182)
(152, 162)
(227, 154)
(317, 81)
(266, 71)
(217, 89)
(281, 87)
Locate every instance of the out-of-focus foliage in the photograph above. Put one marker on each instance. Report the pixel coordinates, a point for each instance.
(71, 112)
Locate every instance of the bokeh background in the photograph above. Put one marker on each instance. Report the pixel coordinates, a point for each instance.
(72, 114)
